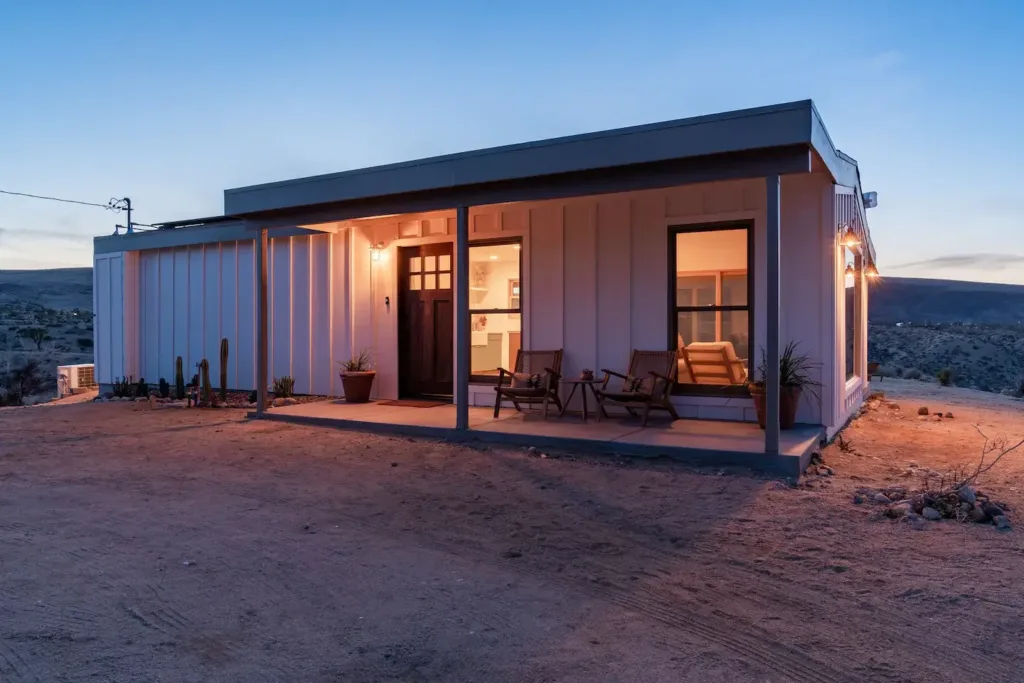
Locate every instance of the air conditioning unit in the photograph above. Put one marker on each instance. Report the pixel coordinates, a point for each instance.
(74, 379)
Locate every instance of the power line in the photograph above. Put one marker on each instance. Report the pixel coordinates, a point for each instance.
(111, 205)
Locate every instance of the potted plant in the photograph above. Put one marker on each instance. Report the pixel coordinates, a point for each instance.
(794, 377)
(357, 378)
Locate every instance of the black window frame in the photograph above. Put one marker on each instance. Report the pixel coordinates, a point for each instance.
(497, 241)
(674, 310)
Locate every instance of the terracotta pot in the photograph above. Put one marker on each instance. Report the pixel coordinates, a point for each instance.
(357, 385)
(789, 400)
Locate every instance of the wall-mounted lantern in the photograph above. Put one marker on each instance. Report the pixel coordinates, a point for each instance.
(850, 238)
(376, 250)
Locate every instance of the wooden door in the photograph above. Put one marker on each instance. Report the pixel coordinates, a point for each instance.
(426, 318)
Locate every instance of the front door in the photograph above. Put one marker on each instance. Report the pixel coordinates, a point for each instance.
(426, 316)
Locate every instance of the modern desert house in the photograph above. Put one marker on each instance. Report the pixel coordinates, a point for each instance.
(738, 232)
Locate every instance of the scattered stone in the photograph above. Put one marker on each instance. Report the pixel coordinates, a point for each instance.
(923, 410)
(966, 507)
(544, 456)
(858, 499)
(948, 416)
(892, 405)
(531, 450)
(511, 554)
(394, 464)
(897, 511)
(991, 510)
(912, 463)
(825, 471)
(277, 402)
(922, 417)
(916, 521)
(1002, 522)
(967, 495)
(931, 514)
(291, 401)
(937, 417)
(816, 458)
(977, 516)
(882, 498)
(189, 563)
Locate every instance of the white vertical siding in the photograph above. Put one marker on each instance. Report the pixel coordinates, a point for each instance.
(108, 326)
(192, 297)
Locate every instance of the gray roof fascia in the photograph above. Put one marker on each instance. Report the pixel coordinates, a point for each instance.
(190, 236)
(702, 136)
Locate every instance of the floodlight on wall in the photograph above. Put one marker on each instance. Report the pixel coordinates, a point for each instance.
(376, 250)
(850, 238)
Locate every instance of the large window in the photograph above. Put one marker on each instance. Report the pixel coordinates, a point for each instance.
(711, 317)
(495, 307)
(853, 283)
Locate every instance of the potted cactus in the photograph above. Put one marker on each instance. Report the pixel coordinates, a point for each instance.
(357, 378)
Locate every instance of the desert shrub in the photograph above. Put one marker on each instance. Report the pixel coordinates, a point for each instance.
(945, 376)
(84, 342)
(20, 382)
(912, 373)
(283, 386)
(165, 388)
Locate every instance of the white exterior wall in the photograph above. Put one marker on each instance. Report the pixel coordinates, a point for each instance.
(848, 394)
(194, 296)
(115, 306)
(595, 277)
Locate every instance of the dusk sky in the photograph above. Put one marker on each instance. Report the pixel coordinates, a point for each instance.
(170, 103)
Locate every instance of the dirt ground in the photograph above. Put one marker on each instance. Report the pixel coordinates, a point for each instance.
(185, 545)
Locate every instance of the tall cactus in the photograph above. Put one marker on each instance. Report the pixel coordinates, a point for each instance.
(179, 380)
(224, 369)
(204, 377)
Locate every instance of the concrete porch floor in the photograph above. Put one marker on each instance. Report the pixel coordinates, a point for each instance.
(700, 441)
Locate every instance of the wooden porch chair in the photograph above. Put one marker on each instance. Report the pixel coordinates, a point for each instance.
(646, 386)
(534, 379)
(713, 363)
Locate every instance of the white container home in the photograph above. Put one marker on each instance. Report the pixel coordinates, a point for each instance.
(745, 230)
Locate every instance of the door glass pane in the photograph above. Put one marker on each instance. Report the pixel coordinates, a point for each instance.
(414, 282)
(429, 263)
(415, 264)
(430, 280)
(444, 262)
(444, 281)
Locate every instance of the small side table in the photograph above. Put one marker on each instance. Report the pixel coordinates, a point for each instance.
(586, 384)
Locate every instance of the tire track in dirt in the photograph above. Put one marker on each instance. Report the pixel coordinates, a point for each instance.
(757, 648)
(14, 668)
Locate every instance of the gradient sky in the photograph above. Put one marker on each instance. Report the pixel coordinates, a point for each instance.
(172, 102)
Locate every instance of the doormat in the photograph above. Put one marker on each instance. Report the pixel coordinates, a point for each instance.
(412, 403)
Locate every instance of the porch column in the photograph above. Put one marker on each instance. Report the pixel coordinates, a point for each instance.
(771, 345)
(261, 322)
(462, 317)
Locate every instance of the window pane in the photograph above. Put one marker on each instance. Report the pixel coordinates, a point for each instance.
(494, 341)
(430, 280)
(698, 326)
(493, 270)
(429, 263)
(852, 282)
(444, 262)
(414, 282)
(444, 281)
(415, 264)
(736, 330)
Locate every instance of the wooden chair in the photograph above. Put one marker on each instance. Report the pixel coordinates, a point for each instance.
(647, 385)
(545, 364)
(713, 363)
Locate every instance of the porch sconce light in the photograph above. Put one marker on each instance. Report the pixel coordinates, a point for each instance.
(851, 270)
(871, 271)
(850, 238)
(375, 251)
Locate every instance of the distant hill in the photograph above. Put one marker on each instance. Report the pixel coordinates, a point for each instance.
(915, 300)
(59, 288)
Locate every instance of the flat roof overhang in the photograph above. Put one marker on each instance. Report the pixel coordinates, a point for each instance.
(765, 139)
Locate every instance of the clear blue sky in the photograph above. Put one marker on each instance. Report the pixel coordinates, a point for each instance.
(171, 102)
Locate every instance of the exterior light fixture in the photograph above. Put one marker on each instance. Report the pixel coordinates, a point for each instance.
(851, 270)
(850, 238)
(376, 250)
(871, 271)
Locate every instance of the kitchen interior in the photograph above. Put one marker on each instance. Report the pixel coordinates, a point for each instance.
(495, 289)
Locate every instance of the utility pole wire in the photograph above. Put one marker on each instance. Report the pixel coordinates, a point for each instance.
(57, 199)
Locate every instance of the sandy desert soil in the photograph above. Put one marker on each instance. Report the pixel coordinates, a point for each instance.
(172, 545)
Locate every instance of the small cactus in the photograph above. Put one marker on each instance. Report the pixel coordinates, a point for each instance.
(165, 388)
(224, 369)
(142, 389)
(179, 380)
(204, 375)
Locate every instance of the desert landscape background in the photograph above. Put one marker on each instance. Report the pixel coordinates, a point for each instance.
(917, 327)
